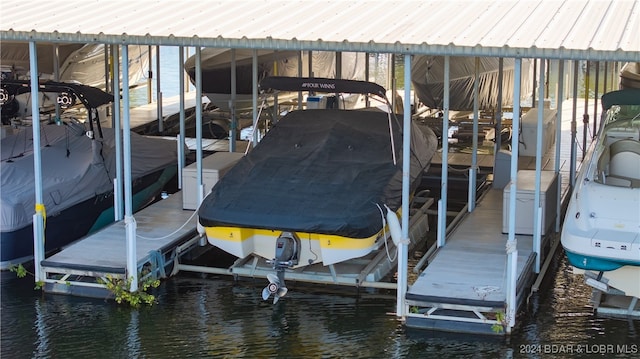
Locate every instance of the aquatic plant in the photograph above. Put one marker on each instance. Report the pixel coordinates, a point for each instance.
(120, 289)
(498, 328)
(22, 272)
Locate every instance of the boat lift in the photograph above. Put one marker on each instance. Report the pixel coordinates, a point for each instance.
(370, 271)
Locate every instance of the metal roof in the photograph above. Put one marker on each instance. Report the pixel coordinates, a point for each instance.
(570, 29)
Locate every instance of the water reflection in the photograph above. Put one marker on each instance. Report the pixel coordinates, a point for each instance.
(208, 316)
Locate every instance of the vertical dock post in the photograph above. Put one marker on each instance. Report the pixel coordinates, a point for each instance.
(199, 180)
(39, 216)
(442, 216)
(559, 101)
(118, 204)
(574, 155)
(406, 176)
(511, 246)
(474, 140)
(232, 103)
(159, 92)
(130, 225)
(537, 220)
(181, 155)
(254, 92)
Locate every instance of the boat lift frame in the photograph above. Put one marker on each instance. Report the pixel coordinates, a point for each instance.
(370, 271)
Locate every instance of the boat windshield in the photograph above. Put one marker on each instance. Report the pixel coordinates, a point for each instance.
(629, 114)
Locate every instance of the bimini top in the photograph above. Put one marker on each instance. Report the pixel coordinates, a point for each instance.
(91, 97)
(319, 171)
(621, 97)
(321, 85)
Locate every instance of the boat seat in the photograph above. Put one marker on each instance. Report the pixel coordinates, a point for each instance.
(624, 162)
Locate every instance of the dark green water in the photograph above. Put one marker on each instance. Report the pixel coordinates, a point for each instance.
(198, 316)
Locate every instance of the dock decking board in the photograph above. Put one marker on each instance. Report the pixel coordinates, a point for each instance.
(471, 266)
(107, 247)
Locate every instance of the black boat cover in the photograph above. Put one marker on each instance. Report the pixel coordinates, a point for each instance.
(319, 171)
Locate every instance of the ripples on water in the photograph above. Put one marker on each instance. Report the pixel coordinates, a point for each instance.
(205, 316)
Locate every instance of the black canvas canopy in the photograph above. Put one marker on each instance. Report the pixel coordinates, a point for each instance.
(621, 97)
(91, 97)
(319, 171)
(321, 85)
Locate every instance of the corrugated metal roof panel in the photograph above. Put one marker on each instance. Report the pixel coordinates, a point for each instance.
(601, 29)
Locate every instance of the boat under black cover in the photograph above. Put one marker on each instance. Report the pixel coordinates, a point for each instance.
(319, 171)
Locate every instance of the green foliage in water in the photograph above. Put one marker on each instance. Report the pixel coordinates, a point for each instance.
(499, 327)
(22, 272)
(120, 289)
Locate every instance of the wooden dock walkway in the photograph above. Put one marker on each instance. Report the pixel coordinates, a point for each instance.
(161, 227)
(463, 287)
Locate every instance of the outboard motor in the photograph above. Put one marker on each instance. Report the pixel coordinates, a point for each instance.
(287, 255)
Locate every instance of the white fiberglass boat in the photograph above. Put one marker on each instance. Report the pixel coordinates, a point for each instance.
(601, 230)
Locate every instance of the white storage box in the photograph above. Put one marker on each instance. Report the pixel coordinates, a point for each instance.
(315, 102)
(525, 193)
(529, 131)
(213, 168)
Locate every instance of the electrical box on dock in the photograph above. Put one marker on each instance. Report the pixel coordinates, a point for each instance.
(214, 167)
(525, 198)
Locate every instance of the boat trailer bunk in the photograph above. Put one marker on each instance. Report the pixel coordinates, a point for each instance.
(370, 271)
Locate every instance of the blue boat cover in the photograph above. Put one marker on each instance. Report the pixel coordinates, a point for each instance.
(319, 171)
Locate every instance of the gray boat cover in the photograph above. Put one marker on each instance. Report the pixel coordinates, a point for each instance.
(74, 168)
(319, 171)
(427, 77)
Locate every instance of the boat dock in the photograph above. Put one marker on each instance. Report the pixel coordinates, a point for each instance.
(463, 286)
(161, 228)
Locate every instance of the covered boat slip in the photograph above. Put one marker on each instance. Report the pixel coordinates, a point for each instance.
(370, 271)
(463, 287)
(161, 227)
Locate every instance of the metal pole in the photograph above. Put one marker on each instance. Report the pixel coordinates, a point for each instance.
(536, 197)
(366, 76)
(199, 124)
(254, 78)
(511, 248)
(595, 101)
(533, 90)
(585, 116)
(130, 224)
(474, 140)
(232, 107)
(604, 77)
(574, 127)
(39, 216)
(299, 75)
(149, 76)
(498, 128)
(118, 201)
(442, 217)
(559, 101)
(406, 176)
(56, 75)
(181, 79)
(159, 92)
